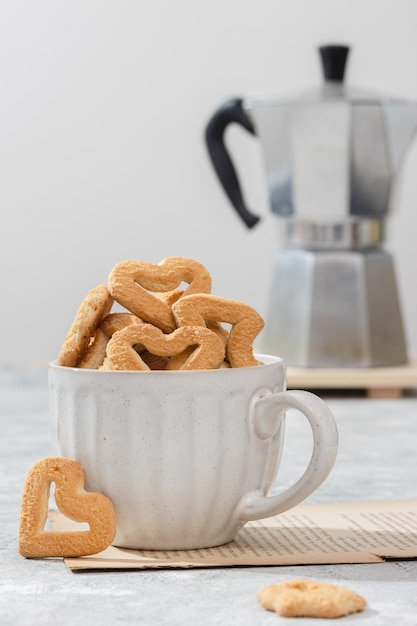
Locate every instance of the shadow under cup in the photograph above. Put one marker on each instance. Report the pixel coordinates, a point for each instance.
(187, 457)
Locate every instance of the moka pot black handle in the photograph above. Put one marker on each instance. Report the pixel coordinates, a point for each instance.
(231, 111)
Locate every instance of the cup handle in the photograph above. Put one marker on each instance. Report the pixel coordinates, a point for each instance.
(268, 411)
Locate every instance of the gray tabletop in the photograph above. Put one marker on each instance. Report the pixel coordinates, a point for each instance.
(376, 461)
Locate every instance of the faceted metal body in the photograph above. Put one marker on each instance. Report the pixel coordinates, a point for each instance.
(335, 309)
(332, 157)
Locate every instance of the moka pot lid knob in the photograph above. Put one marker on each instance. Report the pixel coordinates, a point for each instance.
(333, 60)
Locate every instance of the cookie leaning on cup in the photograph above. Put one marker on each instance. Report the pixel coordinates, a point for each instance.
(73, 501)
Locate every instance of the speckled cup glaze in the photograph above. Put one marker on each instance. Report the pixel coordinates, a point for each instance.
(187, 457)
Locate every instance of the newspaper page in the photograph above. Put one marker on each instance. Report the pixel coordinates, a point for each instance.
(362, 532)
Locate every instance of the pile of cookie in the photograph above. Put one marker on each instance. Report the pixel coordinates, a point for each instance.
(160, 325)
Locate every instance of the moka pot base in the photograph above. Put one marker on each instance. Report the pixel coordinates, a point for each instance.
(335, 309)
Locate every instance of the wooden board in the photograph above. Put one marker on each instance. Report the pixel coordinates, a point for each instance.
(377, 381)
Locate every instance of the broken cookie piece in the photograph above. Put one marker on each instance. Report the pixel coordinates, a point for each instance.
(310, 598)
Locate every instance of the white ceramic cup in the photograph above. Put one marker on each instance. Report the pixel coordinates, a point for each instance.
(187, 457)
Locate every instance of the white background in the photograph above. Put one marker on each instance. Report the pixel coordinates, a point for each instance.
(103, 109)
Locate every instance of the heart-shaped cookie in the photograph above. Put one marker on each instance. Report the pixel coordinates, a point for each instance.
(207, 353)
(96, 351)
(200, 308)
(96, 305)
(73, 501)
(130, 283)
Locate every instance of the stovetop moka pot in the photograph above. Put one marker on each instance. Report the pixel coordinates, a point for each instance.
(331, 159)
